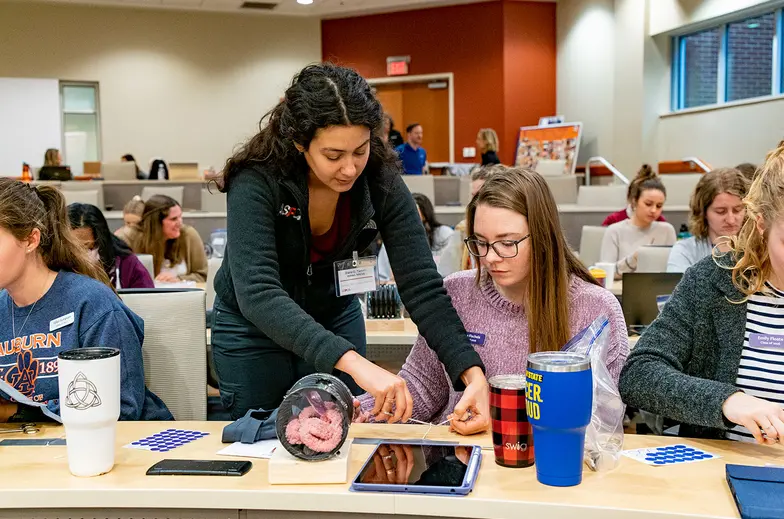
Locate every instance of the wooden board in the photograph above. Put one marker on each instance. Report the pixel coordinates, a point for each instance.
(285, 469)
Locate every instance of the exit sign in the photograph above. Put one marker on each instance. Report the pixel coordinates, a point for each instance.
(398, 65)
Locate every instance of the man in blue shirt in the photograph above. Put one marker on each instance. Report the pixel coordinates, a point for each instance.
(412, 153)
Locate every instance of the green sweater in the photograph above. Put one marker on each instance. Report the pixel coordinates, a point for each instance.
(267, 276)
(685, 364)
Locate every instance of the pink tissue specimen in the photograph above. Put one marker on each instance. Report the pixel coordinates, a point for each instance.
(319, 434)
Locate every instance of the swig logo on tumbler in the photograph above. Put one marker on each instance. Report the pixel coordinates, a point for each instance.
(512, 440)
(559, 396)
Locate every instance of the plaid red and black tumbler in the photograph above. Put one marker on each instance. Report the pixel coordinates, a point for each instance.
(513, 442)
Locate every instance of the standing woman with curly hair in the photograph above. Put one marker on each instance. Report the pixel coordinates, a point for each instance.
(313, 187)
(713, 359)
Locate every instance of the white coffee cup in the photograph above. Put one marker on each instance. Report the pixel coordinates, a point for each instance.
(609, 269)
(89, 382)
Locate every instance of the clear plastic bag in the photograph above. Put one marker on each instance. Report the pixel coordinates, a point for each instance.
(604, 435)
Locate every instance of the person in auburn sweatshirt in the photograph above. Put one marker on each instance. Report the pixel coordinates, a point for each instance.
(529, 294)
(53, 298)
(312, 188)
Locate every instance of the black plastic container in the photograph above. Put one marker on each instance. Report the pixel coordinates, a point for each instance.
(301, 396)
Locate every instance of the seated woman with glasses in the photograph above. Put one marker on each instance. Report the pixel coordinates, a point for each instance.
(529, 294)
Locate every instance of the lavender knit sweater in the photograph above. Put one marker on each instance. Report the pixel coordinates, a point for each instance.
(505, 350)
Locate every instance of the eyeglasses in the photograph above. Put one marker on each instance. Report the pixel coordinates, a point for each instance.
(503, 248)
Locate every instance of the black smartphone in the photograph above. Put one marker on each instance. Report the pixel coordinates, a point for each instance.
(199, 468)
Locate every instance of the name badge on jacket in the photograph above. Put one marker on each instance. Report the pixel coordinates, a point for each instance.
(477, 339)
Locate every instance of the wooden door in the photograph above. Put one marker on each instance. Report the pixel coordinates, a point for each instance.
(410, 103)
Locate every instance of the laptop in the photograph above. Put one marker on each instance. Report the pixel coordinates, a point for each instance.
(55, 173)
(642, 295)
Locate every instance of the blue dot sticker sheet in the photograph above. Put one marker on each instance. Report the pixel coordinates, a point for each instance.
(669, 455)
(167, 440)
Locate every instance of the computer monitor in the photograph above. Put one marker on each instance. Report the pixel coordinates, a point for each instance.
(638, 298)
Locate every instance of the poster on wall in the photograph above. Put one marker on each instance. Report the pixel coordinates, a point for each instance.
(549, 150)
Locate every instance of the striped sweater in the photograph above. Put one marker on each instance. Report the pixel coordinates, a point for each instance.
(761, 368)
(696, 354)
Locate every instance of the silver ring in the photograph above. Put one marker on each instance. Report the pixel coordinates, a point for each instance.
(387, 457)
(388, 413)
(390, 472)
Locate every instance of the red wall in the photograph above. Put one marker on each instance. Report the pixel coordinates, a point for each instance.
(529, 69)
(469, 41)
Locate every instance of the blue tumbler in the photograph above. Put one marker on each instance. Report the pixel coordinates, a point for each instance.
(559, 395)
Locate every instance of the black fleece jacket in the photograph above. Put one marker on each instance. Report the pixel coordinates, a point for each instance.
(267, 276)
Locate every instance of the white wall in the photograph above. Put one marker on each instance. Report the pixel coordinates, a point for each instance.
(671, 15)
(616, 79)
(29, 122)
(585, 70)
(726, 136)
(184, 86)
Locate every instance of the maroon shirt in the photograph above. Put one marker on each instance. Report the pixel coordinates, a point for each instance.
(132, 273)
(621, 216)
(324, 245)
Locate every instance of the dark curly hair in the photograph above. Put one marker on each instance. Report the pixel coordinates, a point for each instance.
(320, 96)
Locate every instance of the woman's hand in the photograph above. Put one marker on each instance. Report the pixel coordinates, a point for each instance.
(472, 412)
(765, 420)
(167, 277)
(359, 416)
(393, 400)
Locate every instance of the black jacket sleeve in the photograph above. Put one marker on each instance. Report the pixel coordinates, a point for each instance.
(253, 259)
(654, 376)
(421, 286)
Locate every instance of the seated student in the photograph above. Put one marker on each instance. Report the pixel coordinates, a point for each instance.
(53, 299)
(455, 255)
(177, 250)
(643, 174)
(140, 175)
(117, 259)
(132, 215)
(713, 358)
(717, 213)
(52, 170)
(437, 236)
(529, 294)
(748, 170)
(623, 240)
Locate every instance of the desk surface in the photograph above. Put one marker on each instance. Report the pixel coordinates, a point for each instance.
(563, 208)
(631, 490)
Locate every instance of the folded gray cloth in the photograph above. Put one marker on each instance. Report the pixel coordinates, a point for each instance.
(256, 425)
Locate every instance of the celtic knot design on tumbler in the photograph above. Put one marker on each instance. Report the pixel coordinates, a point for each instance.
(82, 394)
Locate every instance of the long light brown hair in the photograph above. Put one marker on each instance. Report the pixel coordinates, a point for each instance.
(552, 263)
(711, 185)
(24, 208)
(765, 199)
(52, 157)
(149, 237)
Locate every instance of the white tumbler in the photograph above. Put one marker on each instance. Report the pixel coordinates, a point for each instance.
(609, 268)
(89, 382)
